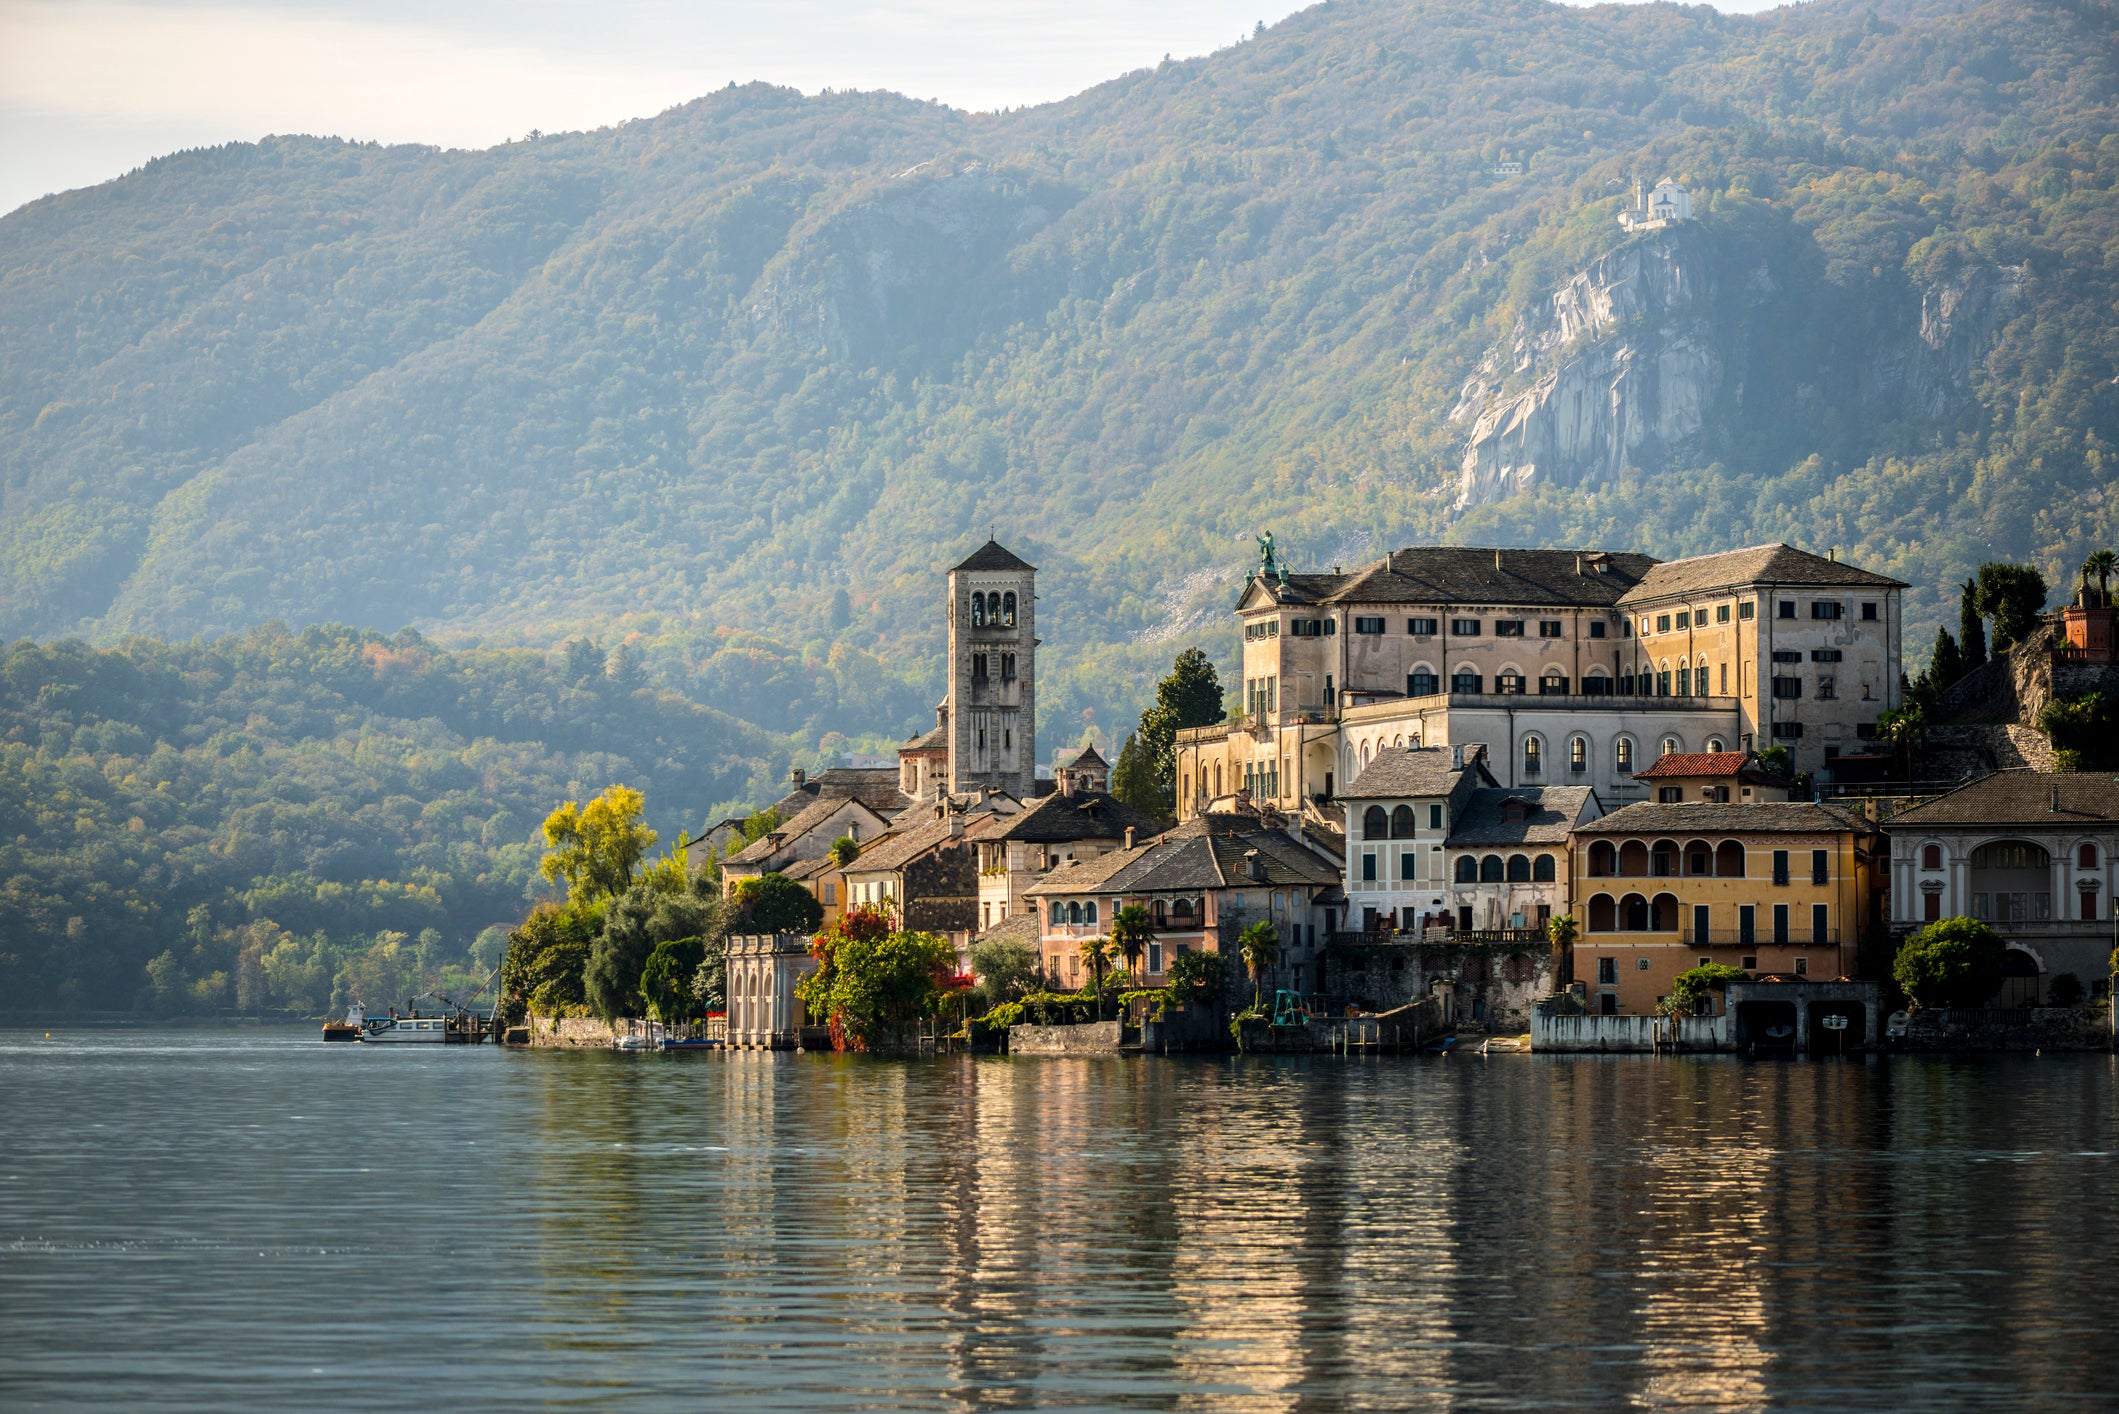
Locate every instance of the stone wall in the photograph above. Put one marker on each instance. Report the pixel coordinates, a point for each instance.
(1494, 987)
(1094, 1038)
(572, 1032)
(1556, 1029)
(2085, 1028)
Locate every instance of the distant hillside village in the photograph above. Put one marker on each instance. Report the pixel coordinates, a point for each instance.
(1501, 784)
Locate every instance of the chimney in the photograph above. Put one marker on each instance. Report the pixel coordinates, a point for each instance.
(1253, 866)
(1129, 837)
(1066, 781)
(1497, 557)
(1456, 758)
(796, 776)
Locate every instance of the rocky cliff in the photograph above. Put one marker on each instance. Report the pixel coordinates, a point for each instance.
(1694, 344)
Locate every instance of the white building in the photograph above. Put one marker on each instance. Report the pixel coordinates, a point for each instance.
(2029, 853)
(763, 968)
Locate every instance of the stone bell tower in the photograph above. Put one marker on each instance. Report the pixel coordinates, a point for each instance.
(991, 714)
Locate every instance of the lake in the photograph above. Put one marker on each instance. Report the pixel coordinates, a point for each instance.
(206, 1219)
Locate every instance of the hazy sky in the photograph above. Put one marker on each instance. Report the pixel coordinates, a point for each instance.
(92, 88)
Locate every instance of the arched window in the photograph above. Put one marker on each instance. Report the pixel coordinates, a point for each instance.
(2086, 857)
(1603, 914)
(1074, 913)
(1542, 870)
(1467, 869)
(1699, 860)
(1008, 609)
(1714, 743)
(1162, 914)
(1464, 680)
(1633, 914)
(1664, 864)
(1578, 754)
(1181, 909)
(1729, 860)
(978, 611)
(1519, 869)
(1059, 913)
(1603, 860)
(1089, 911)
(1375, 825)
(1491, 869)
(1533, 756)
(1623, 752)
(1670, 745)
(1663, 914)
(1633, 859)
(1364, 754)
(1931, 856)
(1402, 823)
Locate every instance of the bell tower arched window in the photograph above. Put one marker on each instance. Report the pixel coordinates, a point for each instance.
(1008, 609)
(978, 611)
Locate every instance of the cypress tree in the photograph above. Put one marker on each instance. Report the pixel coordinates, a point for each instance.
(1971, 631)
(1133, 780)
(1946, 665)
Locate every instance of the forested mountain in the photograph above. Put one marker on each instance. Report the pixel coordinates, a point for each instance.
(352, 797)
(689, 376)
(731, 386)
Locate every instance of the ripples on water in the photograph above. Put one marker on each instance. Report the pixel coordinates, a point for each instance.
(215, 1219)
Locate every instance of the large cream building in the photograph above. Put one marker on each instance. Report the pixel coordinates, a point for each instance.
(1569, 667)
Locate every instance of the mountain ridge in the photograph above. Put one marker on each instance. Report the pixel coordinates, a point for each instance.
(687, 378)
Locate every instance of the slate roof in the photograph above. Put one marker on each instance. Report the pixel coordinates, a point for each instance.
(1206, 852)
(1087, 756)
(1018, 927)
(803, 870)
(1706, 817)
(935, 740)
(1457, 574)
(2021, 798)
(1756, 564)
(806, 819)
(1483, 819)
(1402, 771)
(1736, 765)
(900, 847)
(874, 786)
(1085, 815)
(993, 556)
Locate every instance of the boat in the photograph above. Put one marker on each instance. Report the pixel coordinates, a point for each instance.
(347, 1027)
(451, 1025)
(632, 1043)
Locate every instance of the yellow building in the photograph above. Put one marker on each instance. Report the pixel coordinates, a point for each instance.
(1777, 889)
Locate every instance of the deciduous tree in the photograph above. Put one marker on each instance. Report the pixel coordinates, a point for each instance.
(595, 849)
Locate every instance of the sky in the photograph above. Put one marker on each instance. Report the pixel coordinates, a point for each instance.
(90, 89)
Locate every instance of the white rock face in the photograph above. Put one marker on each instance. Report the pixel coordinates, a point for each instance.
(1627, 371)
(1672, 345)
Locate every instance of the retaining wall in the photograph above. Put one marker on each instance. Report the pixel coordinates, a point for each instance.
(1561, 1031)
(1094, 1038)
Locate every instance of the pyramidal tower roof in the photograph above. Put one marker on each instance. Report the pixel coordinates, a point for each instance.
(993, 556)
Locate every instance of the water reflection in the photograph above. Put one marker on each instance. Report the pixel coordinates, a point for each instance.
(193, 1220)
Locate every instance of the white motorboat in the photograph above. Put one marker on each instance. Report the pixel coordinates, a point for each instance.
(399, 1030)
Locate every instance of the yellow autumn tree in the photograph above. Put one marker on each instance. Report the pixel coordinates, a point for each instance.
(596, 849)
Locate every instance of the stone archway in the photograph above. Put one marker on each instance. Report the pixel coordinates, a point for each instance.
(2022, 980)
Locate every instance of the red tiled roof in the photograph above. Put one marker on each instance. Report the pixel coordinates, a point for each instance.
(1694, 763)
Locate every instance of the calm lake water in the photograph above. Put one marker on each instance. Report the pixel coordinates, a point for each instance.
(215, 1219)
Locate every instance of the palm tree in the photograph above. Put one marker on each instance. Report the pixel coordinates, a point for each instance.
(1096, 954)
(2101, 563)
(1131, 929)
(1259, 946)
